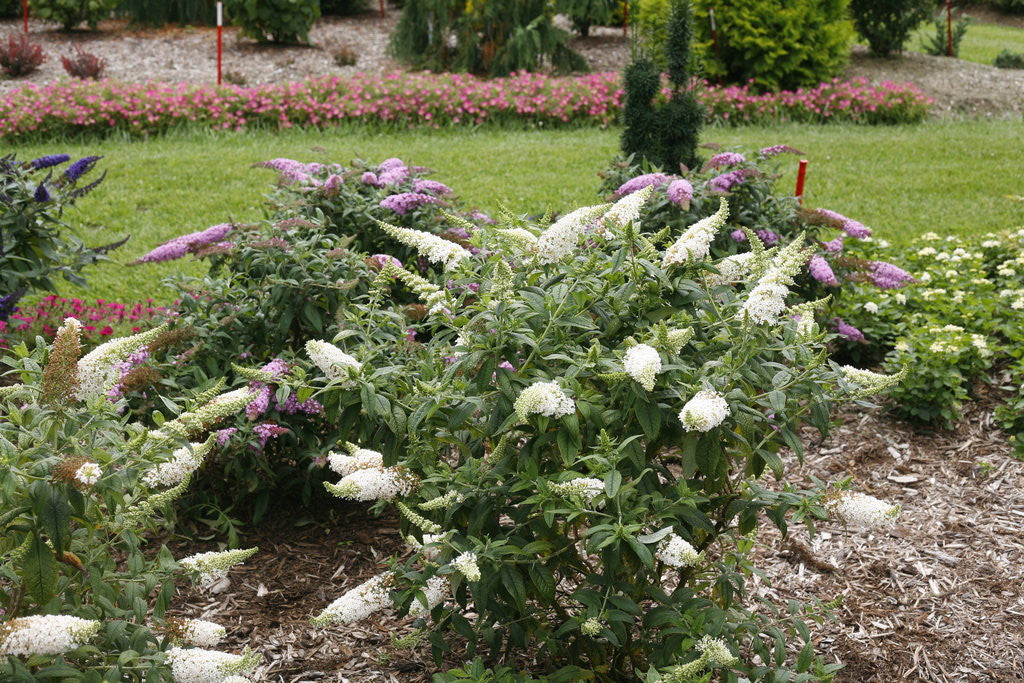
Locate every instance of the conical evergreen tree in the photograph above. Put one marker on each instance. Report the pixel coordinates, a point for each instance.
(665, 135)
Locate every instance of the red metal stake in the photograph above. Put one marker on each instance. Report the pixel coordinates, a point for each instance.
(625, 18)
(949, 25)
(801, 175)
(220, 40)
(714, 29)
(383, 13)
(24, 13)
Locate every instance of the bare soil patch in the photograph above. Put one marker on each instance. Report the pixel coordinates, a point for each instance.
(187, 54)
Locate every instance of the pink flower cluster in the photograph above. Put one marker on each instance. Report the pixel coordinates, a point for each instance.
(101, 319)
(854, 101)
(419, 99)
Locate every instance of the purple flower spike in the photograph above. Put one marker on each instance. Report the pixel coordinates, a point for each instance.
(49, 160)
(223, 435)
(822, 271)
(267, 431)
(370, 178)
(834, 246)
(680, 192)
(775, 150)
(430, 187)
(388, 164)
(851, 227)
(80, 168)
(404, 202)
(848, 330)
(333, 184)
(393, 176)
(738, 235)
(725, 182)
(41, 195)
(768, 237)
(642, 181)
(725, 159)
(887, 276)
(179, 246)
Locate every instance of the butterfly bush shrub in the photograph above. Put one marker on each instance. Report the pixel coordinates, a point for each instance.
(81, 486)
(35, 245)
(591, 429)
(956, 325)
(272, 287)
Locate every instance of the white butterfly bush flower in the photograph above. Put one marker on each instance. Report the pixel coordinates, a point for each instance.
(591, 627)
(627, 209)
(544, 398)
(731, 269)
(88, 474)
(466, 563)
(98, 370)
(869, 383)
(695, 243)
(768, 298)
(184, 461)
(560, 240)
(676, 551)
(45, 634)
(202, 633)
(643, 364)
(221, 406)
(704, 412)
(436, 592)
(359, 458)
(427, 549)
(373, 483)
(358, 603)
(212, 566)
(433, 248)
(334, 362)
(584, 488)
(521, 240)
(195, 665)
(677, 338)
(716, 652)
(859, 509)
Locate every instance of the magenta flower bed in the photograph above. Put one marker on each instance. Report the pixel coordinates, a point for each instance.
(419, 99)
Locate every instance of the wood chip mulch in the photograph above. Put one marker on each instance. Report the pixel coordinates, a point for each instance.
(939, 596)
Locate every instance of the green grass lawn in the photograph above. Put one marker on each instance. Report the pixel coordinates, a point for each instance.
(902, 181)
(981, 43)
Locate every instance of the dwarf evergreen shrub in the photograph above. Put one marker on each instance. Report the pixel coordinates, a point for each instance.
(887, 24)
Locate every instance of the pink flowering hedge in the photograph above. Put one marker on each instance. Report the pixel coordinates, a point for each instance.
(418, 99)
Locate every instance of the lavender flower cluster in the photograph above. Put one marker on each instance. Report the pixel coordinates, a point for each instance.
(183, 244)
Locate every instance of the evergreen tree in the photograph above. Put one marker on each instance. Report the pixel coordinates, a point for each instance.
(666, 135)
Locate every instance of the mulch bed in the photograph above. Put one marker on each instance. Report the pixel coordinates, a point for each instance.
(939, 596)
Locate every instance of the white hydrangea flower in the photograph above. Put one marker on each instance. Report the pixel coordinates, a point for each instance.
(358, 603)
(768, 298)
(561, 238)
(436, 592)
(360, 458)
(704, 412)
(184, 461)
(435, 249)
(716, 652)
(676, 551)
(643, 364)
(731, 269)
(195, 665)
(334, 362)
(88, 474)
(373, 483)
(591, 627)
(212, 566)
(202, 633)
(99, 369)
(584, 488)
(627, 209)
(466, 564)
(544, 398)
(45, 634)
(695, 243)
(859, 509)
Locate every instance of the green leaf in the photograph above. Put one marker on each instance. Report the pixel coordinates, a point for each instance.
(612, 483)
(53, 513)
(649, 417)
(39, 571)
